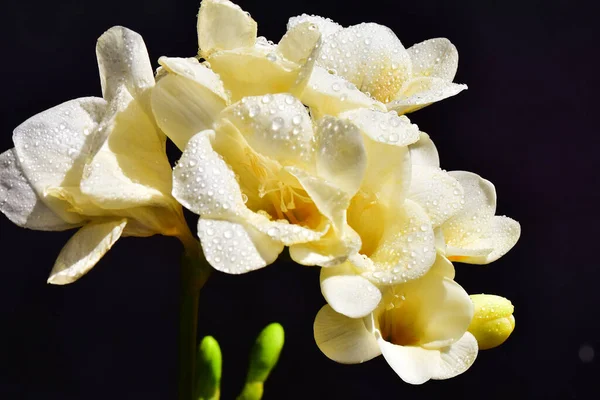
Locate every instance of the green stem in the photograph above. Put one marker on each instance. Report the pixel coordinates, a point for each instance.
(194, 273)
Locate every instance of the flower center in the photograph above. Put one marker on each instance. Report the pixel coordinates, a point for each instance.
(397, 322)
(364, 216)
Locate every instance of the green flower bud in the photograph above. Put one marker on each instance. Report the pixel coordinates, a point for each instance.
(208, 370)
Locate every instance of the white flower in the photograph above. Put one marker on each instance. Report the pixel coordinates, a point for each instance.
(94, 163)
(420, 328)
(371, 57)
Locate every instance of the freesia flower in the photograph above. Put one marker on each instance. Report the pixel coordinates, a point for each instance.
(95, 163)
(371, 57)
(420, 327)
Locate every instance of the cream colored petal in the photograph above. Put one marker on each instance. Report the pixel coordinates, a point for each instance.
(388, 172)
(414, 365)
(440, 195)
(204, 183)
(473, 220)
(329, 94)
(341, 157)
(384, 127)
(234, 248)
(131, 168)
(20, 203)
(370, 56)
(254, 71)
(435, 58)
(277, 126)
(424, 152)
(325, 25)
(85, 249)
(421, 92)
(406, 250)
(53, 146)
(342, 339)
(494, 241)
(347, 292)
(299, 41)
(282, 231)
(223, 25)
(457, 358)
(123, 61)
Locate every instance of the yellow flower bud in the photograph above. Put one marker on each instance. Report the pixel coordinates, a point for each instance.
(493, 321)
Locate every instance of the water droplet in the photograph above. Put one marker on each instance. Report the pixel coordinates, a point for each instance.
(277, 124)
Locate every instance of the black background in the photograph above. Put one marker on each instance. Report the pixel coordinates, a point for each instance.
(528, 123)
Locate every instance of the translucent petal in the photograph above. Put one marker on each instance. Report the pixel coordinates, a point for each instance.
(424, 152)
(299, 41)
(85, 249)
(413, 364)
(329, 94)
(325, 25)
(435, 58)
(347, 292)
(457, 358)
(440, 195)
(343, 339)
(187, 100)
(53, 146)
(20, 203)
(421, 92)
(234, 248)
(370, 56)
(277, 126)
(223, 25)
(123, 61)
(384, 127)
(341, 156)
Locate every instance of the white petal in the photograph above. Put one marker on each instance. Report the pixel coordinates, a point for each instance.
(406, 250)
(348, 293)
(434, 57)
(414, 365)
(496, 240)
(325, 25)
(187, 100)
(474, 219)
(370, 56)
(299, 41)
(421, 92)
(457, 358)
(329, 94)
(424, 152)
(341, 156)
(203, 182)
(236, 249)
(343, 339)
(384, 127)
(20, 203)
(131, 168)
(123, 61)
(84, 250)
(223, 25)
(277, 126)
(254, 71)
(53, 146)
(439, 194)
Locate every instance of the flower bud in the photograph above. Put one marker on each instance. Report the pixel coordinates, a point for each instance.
(208, 370)
(493, 321)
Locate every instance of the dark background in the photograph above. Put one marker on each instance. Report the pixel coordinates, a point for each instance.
(528, 123)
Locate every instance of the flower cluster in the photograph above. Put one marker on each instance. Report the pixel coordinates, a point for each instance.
(301, 144)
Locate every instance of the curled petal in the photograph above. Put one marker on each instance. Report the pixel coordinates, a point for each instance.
(424, 152)
(20, 203)
(348, 293)
(85, 249)
(234, 248)
(413, 364)
(325, 25)
(223, 25)
(421, 92)
(342, 339)
(434, 58)
(384, 127)
(123, 61)
(299, 41)
(457, 358)
(187, 99)
(53, 146)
